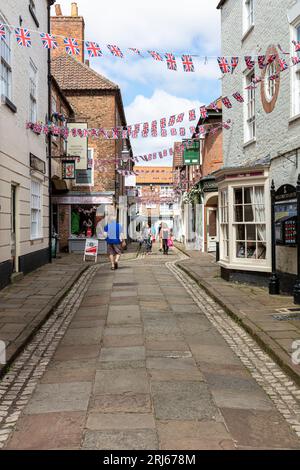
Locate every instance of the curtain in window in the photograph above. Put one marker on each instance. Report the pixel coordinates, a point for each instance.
(259, 210)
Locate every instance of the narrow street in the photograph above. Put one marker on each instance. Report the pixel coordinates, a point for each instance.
(143, 358)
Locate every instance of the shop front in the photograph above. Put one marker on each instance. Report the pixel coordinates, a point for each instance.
(79, 218)
(245, 224)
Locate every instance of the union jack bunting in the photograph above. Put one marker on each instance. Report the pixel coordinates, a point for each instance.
(187, 63)
(171, 61)
(226, 125)
(173, 131)
(164, 133)
(180, 117)
(201, 130)
(145, 126)
(145, 133)
(192, 129)
(156, 55)
(154, 155)
(163, 123)
(71, 46)
(124, 134)
(115, 133)
(271, 59)
(160, 154)
(115, 50)
(262, 61)
(297, 46)
(282, 51)
(223, 64)
(170, 151)
(214, 106)
(136, 51)
(182, 131)
(48, 41)
(172, 121)
(192, 115)
(283, 65)
(2, 32)
(238, 97)
(23, 37)
(134, 134)
(274, 77)
(296, 60)
(93, 49)
(234, 63)
(226, 101)
(165, 153)
(250, 63)
(129, 130)
(203, 112)
(154, 132)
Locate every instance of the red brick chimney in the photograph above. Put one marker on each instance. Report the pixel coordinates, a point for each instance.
(68, 26)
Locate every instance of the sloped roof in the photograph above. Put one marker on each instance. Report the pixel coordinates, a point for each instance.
(71, 74)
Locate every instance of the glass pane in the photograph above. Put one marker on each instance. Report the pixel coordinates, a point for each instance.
(240, 250)
(239, 214)
(249, 216)
(251, 250)
(260, 214)
(251, 232)
(261, 232)
(238, 196)
(248, 195)
(240, 232)
(261, 251)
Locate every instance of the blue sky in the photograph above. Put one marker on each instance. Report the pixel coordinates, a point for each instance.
(149, 90)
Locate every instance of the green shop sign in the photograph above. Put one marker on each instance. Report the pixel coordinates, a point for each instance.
(191, 154)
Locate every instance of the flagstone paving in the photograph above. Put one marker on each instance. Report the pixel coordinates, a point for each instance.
(143, 359)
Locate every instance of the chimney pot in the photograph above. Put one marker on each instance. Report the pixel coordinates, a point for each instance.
(58, 11)
(74, 9)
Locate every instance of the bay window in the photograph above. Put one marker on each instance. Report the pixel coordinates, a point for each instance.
(224, 226)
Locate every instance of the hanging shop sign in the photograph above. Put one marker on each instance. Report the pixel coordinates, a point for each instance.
(68, 169)
(286, 216)
(37, 164)
(84, 177)
(191, 154)
(77, 144)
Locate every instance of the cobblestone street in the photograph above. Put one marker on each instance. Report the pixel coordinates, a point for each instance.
(143, 358)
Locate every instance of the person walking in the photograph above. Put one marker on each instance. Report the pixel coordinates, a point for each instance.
(147, 239)
(165, 236)
(115, 240)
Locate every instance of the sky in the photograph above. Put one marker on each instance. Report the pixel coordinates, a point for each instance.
(149, 90)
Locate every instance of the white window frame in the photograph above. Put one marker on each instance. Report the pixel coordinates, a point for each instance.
(295, 75)
(248, 14)
(249, 110)
(36, 194)
(33, 90)
(224, 224)
(5, 63)
(270, 85)
(89, 157)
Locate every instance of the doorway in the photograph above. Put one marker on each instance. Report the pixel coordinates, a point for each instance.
(211, 229)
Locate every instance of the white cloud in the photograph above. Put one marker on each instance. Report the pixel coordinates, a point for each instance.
(160, 104)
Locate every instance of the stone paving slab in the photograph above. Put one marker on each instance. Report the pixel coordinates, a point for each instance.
(252, 306)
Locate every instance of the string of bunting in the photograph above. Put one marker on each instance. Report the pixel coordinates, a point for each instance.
(227, 64)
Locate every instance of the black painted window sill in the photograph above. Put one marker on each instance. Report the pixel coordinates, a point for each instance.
(10, 104)
(34, 16)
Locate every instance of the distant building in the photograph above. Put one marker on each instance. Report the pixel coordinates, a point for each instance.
(263, 143)
(24, 183)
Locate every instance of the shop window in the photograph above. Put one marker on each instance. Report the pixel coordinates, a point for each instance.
(83, 221)
(250, 223)
(224, 224)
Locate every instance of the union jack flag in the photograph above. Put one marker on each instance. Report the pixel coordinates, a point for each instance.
(124, 134)
(172, 121)
(171, 61)
(115, 133)
(173, 131)
(48, 41)
(155, 55)
(170, 151)
(187, 63)
(2, 32)
(274, 77)
(223, 64)
(192, 129)
(136, 51)
(283, 65)
(192, 115)
(115, 50)
(129, 129)
(154, 132)
(165, 153)
(137, 128)
(71, 46)
(182, 131)
(164, 133)
(262, 61)
(271, 59)
(145, 133)
(154, 155)
(202, 130)
(296, 60)
(226, 101)
(234, 63)
(203, 112)
(163, 123)
(154, 125)
(160, 154)
(180, 117)
(250, 63)
(214, 106)
(23, 37)
(93, 49)
(238, 97)
(297, 46)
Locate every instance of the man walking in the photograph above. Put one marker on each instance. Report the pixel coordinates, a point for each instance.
(115, 240)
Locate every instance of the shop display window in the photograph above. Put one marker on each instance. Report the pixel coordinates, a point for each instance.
(83, 221)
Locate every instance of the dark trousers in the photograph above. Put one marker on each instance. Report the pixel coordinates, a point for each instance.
(165, 246)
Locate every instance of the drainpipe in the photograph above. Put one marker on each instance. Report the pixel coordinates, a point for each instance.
(50, 2)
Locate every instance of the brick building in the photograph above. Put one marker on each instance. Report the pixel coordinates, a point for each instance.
(264, 142)
(96, 102)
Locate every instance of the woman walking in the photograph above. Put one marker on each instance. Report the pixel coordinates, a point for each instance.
(165, 237)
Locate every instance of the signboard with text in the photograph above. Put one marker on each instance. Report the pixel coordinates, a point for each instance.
(91, 248)
(78, 146)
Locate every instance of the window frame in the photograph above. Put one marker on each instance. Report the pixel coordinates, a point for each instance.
(249, 109)
(34, 183)
(248, 14)
(6, 62)
(295, 75)
(224, 224)
(33, 91)
(92, 168)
